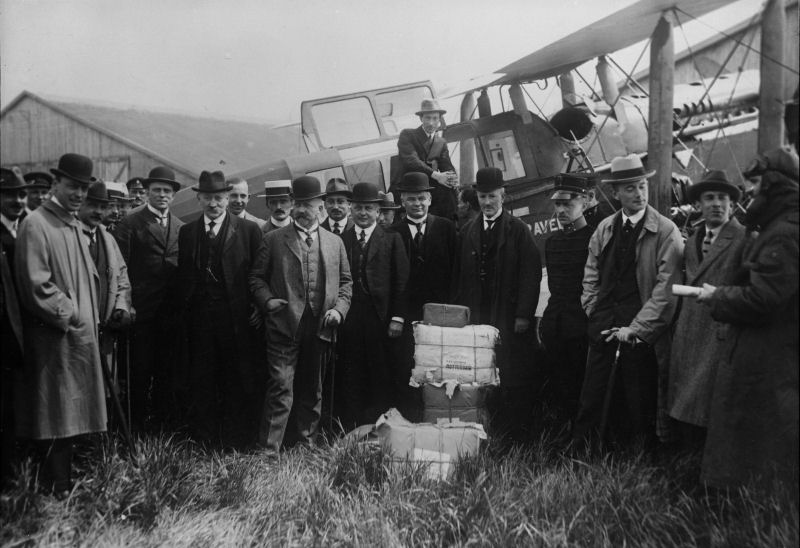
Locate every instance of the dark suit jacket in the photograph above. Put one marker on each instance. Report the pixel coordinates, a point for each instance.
(416, 154)
(386, 269)
(242, 242)
(8, 242)
(276, 274)
(430, 281)
(327, 225)
(152, 260)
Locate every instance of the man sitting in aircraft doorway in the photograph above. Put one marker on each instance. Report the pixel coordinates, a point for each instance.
(279, 204)
(422, 150)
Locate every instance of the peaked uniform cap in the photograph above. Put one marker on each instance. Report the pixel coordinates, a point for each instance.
(39, 179)
(569, 185)
(211, 182)
(161, 174)
(136, 182)
(76, 167)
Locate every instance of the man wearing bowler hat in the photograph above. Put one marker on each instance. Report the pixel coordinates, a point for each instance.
(337, 205)
(278, 195)
(498, 272)
(634, 258)
(39, 184)
(61, 394)
(301, 282)
(712, 256)
(563, 326)
(422, 150)
(148, 239)
(216, 252)
(137, 191)
(379, 267)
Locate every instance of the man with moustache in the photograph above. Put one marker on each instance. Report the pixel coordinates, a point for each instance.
(634, 258)
(379, 267)
(279, 204)
(337, 205)
(238, 198)
(301, 282)
(563, 326)
(216, 252)
(137, 191)
(498, 272)
(61, 393)
(422, 150)
(119, 205)
(39, 184)
(148, 239)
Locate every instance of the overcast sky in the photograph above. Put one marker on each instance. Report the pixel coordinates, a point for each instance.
(259, 59)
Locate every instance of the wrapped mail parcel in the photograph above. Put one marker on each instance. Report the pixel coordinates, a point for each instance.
(465, 354)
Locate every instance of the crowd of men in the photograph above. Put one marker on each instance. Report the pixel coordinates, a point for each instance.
(263, 331)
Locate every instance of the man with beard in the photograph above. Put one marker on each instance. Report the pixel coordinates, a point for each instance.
(279, 204)
(337, 205)
(301, 282)
(137, 191)
(238, 198)
(39, 184)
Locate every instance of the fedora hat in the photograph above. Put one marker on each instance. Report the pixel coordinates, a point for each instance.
(715, 180)
(569, 185)
(277, 189)
(366, 193)
(338, 187)
(39, 179)
(11, 179)
(76, 167)
(626, 169)
(211, 182)
(414, 182)
(118, 192)
(430, 105)
(161, 174)
(488, 179)
(387, 201)
(98, 192)
(136, 182)
(307, 187)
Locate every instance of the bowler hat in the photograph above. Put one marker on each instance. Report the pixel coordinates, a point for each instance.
(338, 187)
(39, 179)
(627, 169)
(306, 187)
(136, 182)
(387, 201)
(414, 182)
(76, 167)
(277, 189)
(366, 193)
(430, 105)
(714, 180)
(570, 185)
(211, 182)
(98, 192)
(11, 179)
(161, 174)
(118, 192)
(488, 179)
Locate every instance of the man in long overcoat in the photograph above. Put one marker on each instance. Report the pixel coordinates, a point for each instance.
(301, 282)
(216, 251)
(497, 275)
(148, 239)
(753, 424)
(712, 255)
(62, 394)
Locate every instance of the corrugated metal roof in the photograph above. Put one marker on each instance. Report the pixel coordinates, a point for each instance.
(190, 143)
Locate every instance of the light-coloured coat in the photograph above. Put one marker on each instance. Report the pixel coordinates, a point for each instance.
(659, 252)
(119, 286)
(62, 393)
(250, 217)
(699, 342)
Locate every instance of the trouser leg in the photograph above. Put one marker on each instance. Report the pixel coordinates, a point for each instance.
(308, 379)
(281, 362)
(143, 355)
(598, 368)
(638, 367)
(55, 475)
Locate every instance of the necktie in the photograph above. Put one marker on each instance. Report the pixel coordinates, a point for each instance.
(309, 240)
(628, 228)
(210, 231)
(707, 241)
(336, 228)
(92, 244)
(163, 221)
(489, 224)
(362, 240)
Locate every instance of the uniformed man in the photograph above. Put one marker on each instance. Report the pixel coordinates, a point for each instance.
(39, 184)
(337, 205)
(137, 191)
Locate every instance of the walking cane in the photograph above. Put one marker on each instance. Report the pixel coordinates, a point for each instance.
(609, 393)
(127, 343)
(331, 373)
(117, 405)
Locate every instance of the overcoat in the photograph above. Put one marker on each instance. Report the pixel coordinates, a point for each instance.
(250, 217)
(698, 341)
(659, 252)
(152, 259)
(62, 391)
(277, 274)
(117, 282)
(753, 425)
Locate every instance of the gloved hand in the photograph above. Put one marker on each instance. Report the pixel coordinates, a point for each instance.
(119, 320)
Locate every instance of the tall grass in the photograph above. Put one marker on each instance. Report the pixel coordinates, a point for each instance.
(175, 493)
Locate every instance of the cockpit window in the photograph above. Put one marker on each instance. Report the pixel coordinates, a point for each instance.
(343, 122)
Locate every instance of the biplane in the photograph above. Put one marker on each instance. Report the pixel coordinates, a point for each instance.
(680, 130)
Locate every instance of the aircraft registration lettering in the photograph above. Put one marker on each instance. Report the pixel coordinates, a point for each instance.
(543, 227)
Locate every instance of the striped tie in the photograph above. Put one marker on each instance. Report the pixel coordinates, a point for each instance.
(707, 242)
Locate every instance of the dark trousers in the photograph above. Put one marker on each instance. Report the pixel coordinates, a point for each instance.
(55, 457)
(216, 411)
(366, 388)
(293, 399)
(566, 363)
(632, 412)
(152, 348)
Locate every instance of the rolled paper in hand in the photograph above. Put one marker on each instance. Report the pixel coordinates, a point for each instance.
(685, 290)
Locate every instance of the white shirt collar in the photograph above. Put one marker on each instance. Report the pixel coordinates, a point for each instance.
(715, 231)
(303, 233)
(635, 218)
(367, 231)
(156, 212)
(12, 226)
(217, 222)
(342, 223)
(419, 224)
(280, 224)
(497, 216)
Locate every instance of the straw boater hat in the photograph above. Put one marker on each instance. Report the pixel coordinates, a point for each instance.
(488, 179)
(571, 185)
(627, 169)
(366, 193)
(277, 189)
(306, 188)
(212, 182)
(11, 179)
(414, 182)
(430, 105)
(161, 174)
(338, 187)
(39, 179)
(118, 192)
(715, 180)
(75, 167)
(387, 201)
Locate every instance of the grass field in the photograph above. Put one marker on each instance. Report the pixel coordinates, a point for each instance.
(176, 494)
